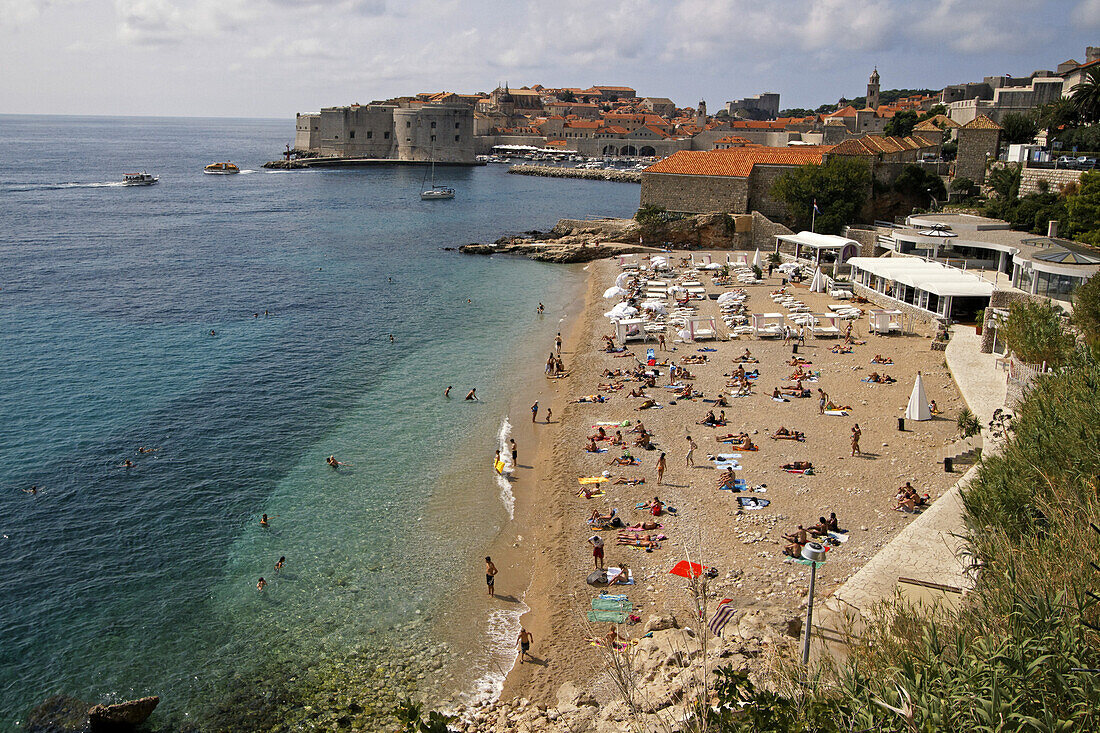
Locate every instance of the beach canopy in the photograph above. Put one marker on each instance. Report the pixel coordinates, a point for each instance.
(756, 259)
(918, 402)
(687, 569)
(818, 283)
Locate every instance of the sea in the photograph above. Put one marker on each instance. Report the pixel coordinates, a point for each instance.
(239, 329)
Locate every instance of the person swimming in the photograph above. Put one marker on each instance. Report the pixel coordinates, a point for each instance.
(263, 521)
(472, 395)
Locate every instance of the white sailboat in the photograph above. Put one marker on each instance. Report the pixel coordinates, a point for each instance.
(436, 192)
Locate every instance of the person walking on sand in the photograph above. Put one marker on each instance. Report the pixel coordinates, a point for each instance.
(549, 414)
(557, 342)
(534, 410)
(524, 640)
(856, 432)
(689, 459)
(660, 468)
(822, 400)
(490, 575)
(661, 341)
(597, 551)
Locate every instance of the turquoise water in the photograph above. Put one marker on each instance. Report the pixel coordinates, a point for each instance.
(117, 582)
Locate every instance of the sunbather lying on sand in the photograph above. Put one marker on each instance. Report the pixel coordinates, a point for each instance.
(694, 359)
(741, 441)
(624, 460)
(648, 524)
(646, 404)
(688, 392)
(879, 359)
(591, 398)
(601, 519)
(798, 466)
(609, 387)
(588, 492)
(831, 406)
(638, 392)
(748, 358)
(629, 481)
(637, 542)
(799, 361)
(841, 349)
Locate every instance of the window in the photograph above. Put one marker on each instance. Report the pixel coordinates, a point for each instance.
(386, 135)
(433, 138)
(456, 125)
(351, 135)
(408, 124)
(370, 134)
(457, 137)
(433, 125)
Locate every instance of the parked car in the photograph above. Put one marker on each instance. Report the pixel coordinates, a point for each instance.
(1066, 161)
(1086, 162)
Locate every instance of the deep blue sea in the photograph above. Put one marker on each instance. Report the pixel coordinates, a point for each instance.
(118, 582)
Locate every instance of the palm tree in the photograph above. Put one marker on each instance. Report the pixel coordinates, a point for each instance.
(1086, 96)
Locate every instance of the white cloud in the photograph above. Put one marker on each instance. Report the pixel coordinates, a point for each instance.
(149, 22)
(1088, 13)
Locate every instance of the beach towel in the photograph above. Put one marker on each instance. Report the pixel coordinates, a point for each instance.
(780, 399)
(721, 617)
(800, 471)
(632, 529)
(620, 424)
(707, 349)
(724, 457)
(751, 502)
(612, 596)
(605, 604)
(614, 573)
(839, 537)
(598, 450)
(603, 617)
(592, 479)
(837, 413)
(593, 495)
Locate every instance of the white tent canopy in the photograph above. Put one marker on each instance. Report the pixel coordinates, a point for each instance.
(932, 277)
(630, 329)
(701, 327)
(918, 402)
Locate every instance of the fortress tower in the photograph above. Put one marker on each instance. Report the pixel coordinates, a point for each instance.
(701, 115)
(872, 90)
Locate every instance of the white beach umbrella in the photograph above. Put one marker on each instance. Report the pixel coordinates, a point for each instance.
(711, 266)
(622, 279)
(614, 292)
(756, 259)
(918, 402)
(727, 298)
(818, 284)
(685, 334)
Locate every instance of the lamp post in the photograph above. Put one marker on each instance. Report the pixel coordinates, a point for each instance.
(815, 553)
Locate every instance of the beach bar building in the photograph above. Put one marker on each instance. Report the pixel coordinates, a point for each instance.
(820, 249)
(932, 287)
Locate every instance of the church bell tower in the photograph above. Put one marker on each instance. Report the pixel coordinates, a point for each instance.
(872, 90)
(701, 115)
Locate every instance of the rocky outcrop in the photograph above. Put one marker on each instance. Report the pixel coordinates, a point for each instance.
(667, 668)
(122, 716)
(58, 714)
(559, 250)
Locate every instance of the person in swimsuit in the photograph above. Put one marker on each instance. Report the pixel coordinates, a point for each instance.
(447, 392)
(490, 575)
(261, 584)
(515, 452)
(534, 410)
(263, 521)
(525, 640)
(279, 565)
(472, 395)
(597, 551)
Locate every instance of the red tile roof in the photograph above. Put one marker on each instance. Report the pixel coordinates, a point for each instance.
(736, 162)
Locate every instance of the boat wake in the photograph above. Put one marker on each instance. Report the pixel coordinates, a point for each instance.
(504, 480)
(16, 188)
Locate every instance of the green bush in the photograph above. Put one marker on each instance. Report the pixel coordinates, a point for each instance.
(1035, 332)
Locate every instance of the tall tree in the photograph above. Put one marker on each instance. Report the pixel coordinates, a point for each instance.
(839, 186)
(901, 124)
(1018, 128)
(1086, 96)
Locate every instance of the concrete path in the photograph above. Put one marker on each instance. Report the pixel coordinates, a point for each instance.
(928, 550)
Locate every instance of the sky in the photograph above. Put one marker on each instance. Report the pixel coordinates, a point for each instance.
(272, 58)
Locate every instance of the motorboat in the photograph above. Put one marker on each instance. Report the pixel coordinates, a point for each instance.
(222, 169)
(138, 179)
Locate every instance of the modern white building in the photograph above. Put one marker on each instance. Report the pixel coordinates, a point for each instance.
(933, 287)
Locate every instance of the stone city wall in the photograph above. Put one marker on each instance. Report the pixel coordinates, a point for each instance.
(695, 194)
(764, 232)
(1056, 179)
(761, 180)
(867, 238)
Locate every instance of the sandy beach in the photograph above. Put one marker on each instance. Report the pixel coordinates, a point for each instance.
(547, 542)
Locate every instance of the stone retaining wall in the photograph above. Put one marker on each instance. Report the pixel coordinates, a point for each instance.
(1056, 178)
(550, 171)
